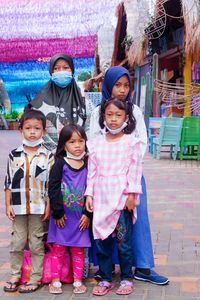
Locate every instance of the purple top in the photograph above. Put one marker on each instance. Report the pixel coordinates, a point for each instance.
(73, 184)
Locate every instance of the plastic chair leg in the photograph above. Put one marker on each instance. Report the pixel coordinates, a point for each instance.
(154, 150)
(175, 153)
(158, 152)
(171, 151)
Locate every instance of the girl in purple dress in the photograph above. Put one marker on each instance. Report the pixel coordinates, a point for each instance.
(69, 222)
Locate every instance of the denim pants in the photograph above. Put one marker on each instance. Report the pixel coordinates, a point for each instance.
(123, 233)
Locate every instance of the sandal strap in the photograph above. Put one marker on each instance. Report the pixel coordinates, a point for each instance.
(31, 284)
(56, 284)
(124, 283)
(12, 282)
(77, 284)
(104, 283)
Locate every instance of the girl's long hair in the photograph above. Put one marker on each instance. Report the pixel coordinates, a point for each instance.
(65, 135)
(123, 105)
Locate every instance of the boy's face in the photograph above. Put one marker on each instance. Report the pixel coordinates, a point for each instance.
(32, 130)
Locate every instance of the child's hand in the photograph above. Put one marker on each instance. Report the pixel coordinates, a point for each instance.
(10, 212)
(130, 202)
(61, 222)
(47, 211)
(89, 203)
(84, 222)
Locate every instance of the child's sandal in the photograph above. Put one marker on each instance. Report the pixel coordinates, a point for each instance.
(29, 287)
(79, 287)
(11, 286)
(125, 288)
(55, 287)
(102, 288)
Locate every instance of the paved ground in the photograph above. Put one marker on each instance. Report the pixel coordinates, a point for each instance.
(174, 209)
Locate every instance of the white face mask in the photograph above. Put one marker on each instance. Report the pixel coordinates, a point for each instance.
(117, 130)
(32, 143)
(69, 155)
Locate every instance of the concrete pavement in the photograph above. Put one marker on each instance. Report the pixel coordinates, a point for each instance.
(174, 208)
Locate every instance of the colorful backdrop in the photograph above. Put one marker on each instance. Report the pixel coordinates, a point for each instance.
(32, 31)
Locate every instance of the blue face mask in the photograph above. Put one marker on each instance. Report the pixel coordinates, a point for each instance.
(62, 78)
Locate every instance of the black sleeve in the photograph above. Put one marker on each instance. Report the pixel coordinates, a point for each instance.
(54, 191)
(87, 213)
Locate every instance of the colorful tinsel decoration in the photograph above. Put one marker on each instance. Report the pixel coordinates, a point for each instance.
(32, 31)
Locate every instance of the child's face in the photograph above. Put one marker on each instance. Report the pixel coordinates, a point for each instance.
(32, 129)
(75, 145)
(114, 116)
(121, 88)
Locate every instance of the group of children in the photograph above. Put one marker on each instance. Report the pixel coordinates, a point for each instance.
(93, 183)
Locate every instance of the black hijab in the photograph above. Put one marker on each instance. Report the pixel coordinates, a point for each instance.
(61, 105)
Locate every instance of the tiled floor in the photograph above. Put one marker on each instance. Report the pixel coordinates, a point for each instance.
(174, 208)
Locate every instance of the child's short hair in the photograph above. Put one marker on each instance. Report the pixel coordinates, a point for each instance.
(65, 135)
(123, 105)
(30, 113)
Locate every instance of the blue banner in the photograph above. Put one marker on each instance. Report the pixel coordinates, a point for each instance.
(24, 79)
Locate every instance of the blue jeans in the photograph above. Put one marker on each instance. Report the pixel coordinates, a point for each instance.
(123, 233)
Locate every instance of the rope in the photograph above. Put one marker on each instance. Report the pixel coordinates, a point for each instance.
(178, 95)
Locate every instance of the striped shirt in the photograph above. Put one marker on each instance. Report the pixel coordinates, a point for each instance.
(27, 178)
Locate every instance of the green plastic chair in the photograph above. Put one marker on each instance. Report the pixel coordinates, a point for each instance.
(190, 139)
(170, 135)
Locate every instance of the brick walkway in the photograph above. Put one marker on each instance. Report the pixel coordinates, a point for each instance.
(174, 209)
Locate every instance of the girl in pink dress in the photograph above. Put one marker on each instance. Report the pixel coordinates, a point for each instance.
(113, 186)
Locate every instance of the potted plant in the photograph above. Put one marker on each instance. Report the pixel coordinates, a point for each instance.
(12, 119)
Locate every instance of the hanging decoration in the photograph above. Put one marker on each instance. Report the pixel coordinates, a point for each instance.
(33, 30)
(158, 22)
(29, 49)
(173, 94)
(138, 17)
(191, 14)
(61, 19)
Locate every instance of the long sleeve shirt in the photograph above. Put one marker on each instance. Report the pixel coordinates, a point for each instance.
(28, 180)
(140, 130)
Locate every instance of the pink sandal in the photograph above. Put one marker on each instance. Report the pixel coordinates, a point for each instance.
(125, 288)
(102, 288)
(55, 287)
(79, 287)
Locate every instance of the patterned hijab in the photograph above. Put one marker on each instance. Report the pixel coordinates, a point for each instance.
(61, 105)
(112, 75)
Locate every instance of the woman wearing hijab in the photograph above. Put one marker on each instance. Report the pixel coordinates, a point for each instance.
(60, 99)
(117, 83)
